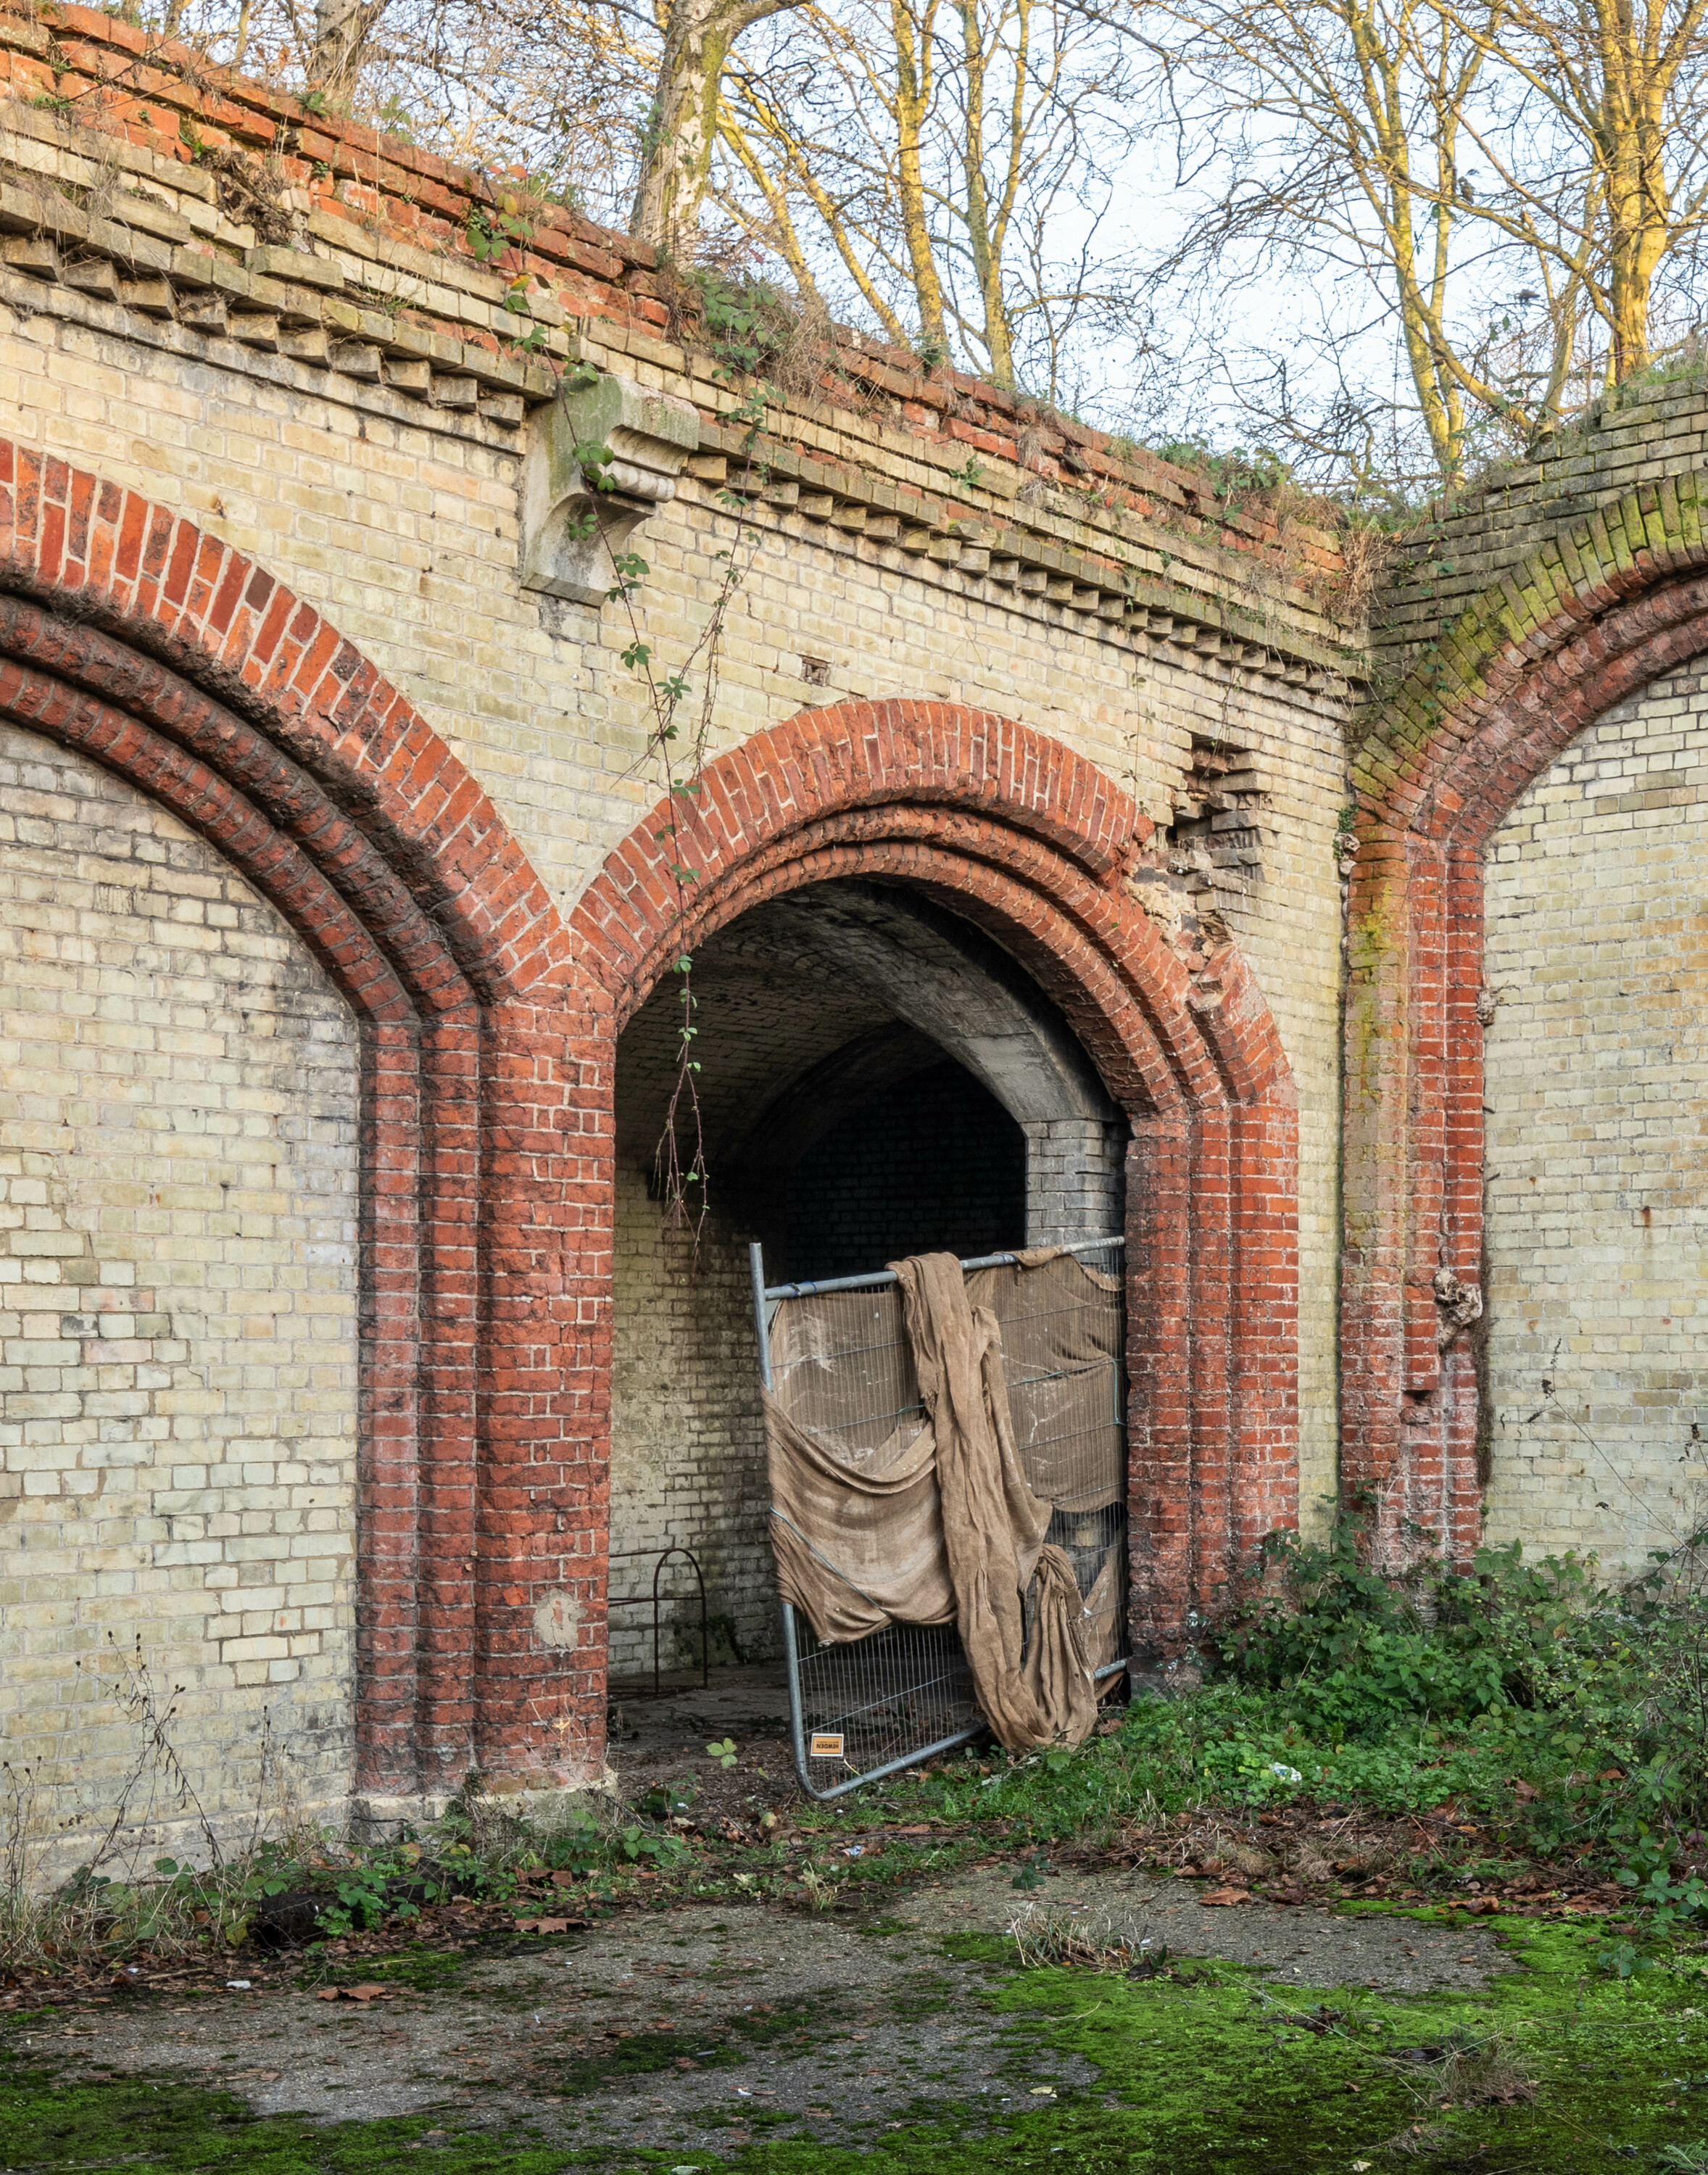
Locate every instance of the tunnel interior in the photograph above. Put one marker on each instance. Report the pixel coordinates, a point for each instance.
(876, 1077)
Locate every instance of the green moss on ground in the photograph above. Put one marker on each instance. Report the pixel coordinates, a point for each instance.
(1568, 2069)
(1560, 2066)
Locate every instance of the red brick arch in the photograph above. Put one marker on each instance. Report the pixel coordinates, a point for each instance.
(489, 1026)
(128, 633)
(1594, 615)
(1019, 835)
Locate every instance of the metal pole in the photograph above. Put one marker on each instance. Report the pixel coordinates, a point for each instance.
(756, 1262)
(658, 1573)
(797, 1728)
(881, 1277)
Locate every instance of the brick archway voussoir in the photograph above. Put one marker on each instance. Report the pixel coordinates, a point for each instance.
(1611, 583)
(872, 781)
(178, 663)
(100, 552)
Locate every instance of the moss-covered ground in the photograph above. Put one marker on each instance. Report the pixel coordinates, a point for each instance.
(1559, 2065)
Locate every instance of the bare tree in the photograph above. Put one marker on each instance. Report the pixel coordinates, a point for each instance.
(945, 162)
(683, 123)
(1505, 180)
(344, 30)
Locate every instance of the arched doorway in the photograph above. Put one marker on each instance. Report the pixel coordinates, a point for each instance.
(1007, 859)
(876, 1078)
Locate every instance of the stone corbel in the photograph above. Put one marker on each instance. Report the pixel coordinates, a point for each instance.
(649, 436)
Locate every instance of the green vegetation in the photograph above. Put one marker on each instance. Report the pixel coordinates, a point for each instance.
(1569, 1717)
(1565, 1719)
(1562, 2065)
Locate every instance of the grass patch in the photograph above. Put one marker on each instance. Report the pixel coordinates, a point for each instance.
(160, 2122)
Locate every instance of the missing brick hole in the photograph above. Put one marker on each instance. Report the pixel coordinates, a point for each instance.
(815, 671)
(1218, 811)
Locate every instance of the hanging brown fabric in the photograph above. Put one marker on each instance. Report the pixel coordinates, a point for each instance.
(938, 1522)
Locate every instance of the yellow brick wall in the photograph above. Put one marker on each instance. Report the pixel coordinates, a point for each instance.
(1597, 1096)
(402, 524)
(177, 1313)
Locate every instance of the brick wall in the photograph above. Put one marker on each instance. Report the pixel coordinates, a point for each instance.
(1597, 1089)
(1072, 698)
(688, 1445)
(178, 1115)
(935, 1165)
(1525, 612)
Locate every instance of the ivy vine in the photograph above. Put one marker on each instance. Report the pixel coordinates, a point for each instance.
(680, 729)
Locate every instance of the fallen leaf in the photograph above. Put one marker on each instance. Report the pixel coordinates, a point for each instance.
(1220, 1895)
(547, 1925)
(1525, 1792)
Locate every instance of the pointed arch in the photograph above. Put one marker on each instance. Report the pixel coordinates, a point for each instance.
(1017, 834)
(179, 663)
(1594, 615)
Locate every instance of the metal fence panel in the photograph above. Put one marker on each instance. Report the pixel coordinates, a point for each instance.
(843, 1369)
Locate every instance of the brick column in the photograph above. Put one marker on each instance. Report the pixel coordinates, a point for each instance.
(540, 1525)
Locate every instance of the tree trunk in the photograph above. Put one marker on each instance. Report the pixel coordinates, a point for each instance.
(913, 103)
(342, 31)
(682, 127)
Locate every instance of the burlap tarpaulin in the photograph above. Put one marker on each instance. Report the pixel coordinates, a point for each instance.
(937, 1523)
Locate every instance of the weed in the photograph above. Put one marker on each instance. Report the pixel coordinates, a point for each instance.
(1046, 1939)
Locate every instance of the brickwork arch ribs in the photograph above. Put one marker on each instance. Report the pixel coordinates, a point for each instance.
(1595, 614)
(180, 664)
(1029, 842)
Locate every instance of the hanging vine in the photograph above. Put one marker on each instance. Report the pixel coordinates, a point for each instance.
(679, 730)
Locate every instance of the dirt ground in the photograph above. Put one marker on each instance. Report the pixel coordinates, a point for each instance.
(702, 2026)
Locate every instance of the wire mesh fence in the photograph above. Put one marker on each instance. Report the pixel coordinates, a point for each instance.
(838, 1359)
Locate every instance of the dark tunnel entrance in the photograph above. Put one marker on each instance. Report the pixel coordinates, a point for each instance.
(876, 1079)
(932, 1164)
